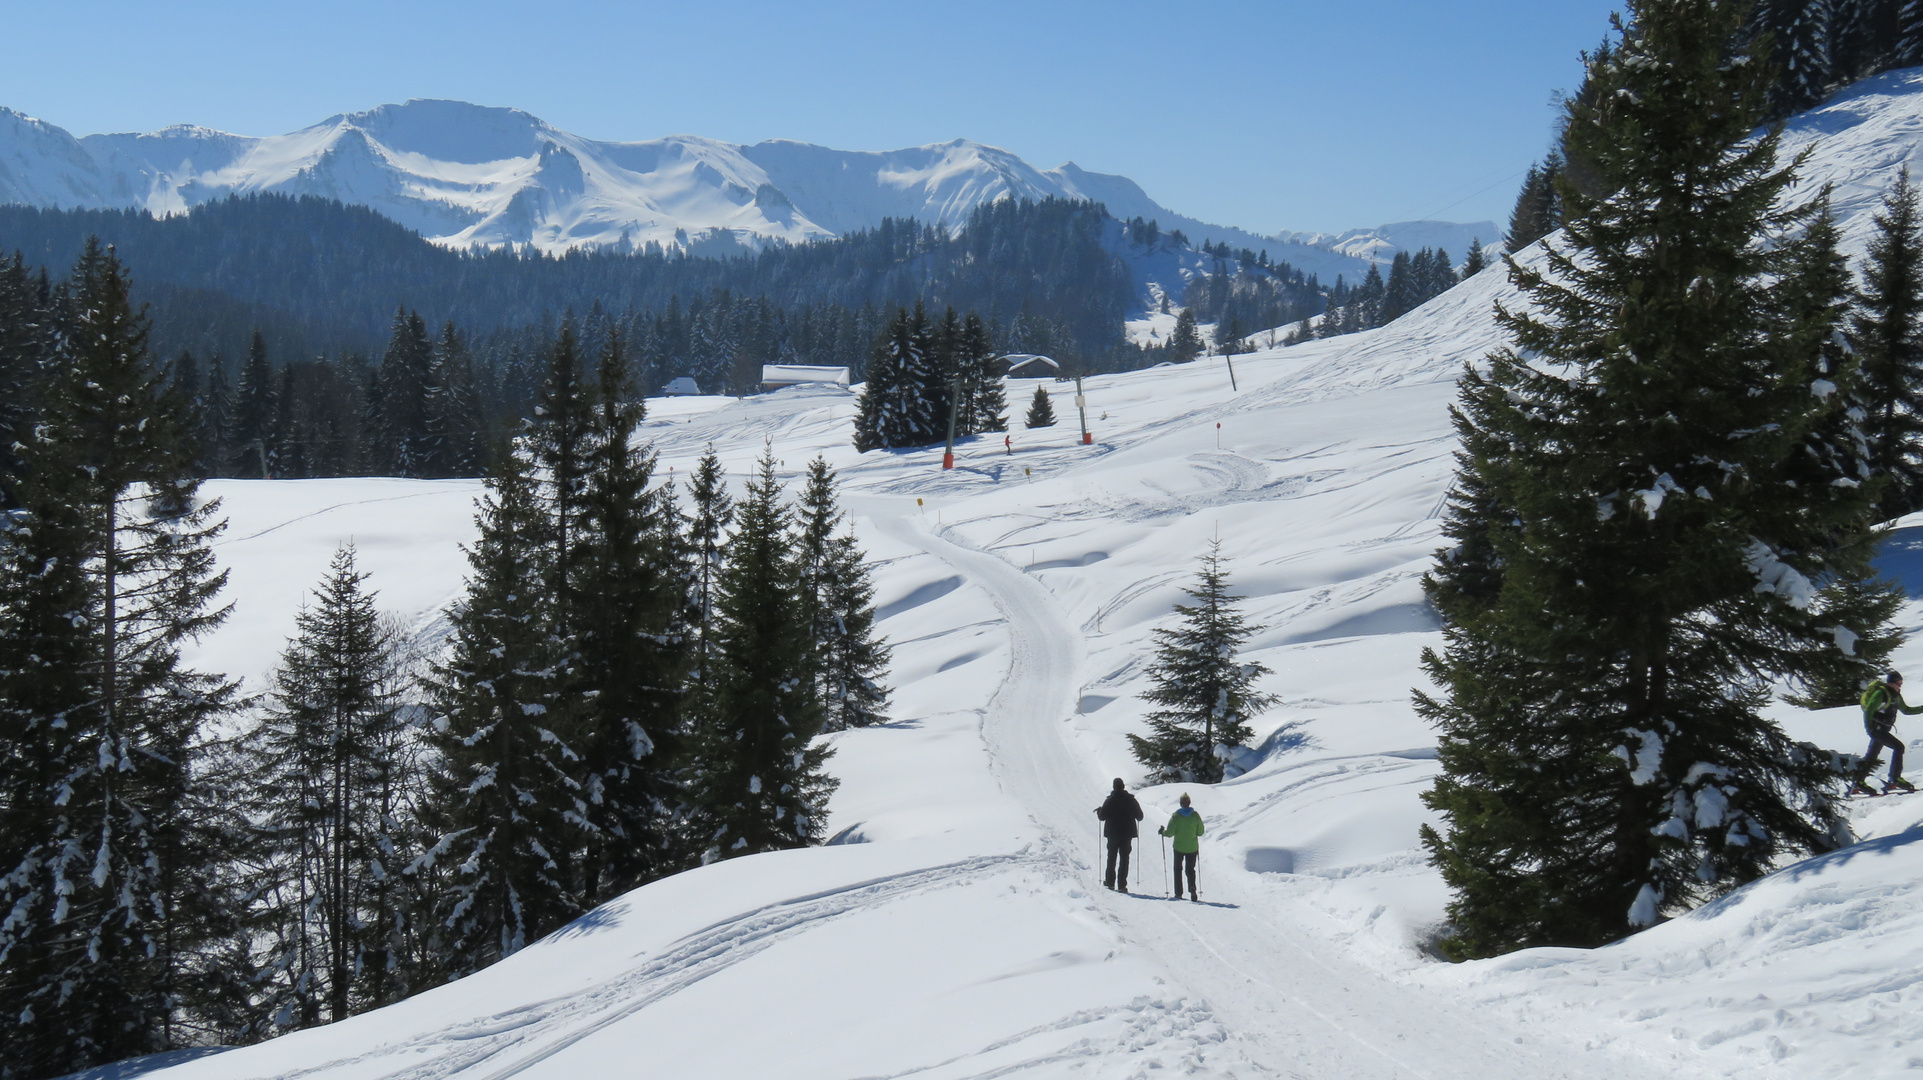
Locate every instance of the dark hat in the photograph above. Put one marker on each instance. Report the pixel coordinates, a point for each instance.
(1118, 783)
(1894, 676)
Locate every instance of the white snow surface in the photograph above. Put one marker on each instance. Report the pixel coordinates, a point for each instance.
(469, 175)
(956, 926)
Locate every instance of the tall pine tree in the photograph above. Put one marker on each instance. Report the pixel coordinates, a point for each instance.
(1887, 333)
(105, 575)
(849, 660)
(325, 775)
(634, 645)
(505, 799)
(757, 781)
(1664, 487)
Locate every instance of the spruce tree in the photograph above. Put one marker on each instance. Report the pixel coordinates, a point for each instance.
(848, 660)
(1041, 413)
(1655, 476)
(632, 582)
(453, 443)
(757, 781)
(1887, 333)
(1185, 341)
(400, 402)
(251, 430)
(904, 402)
(26, 335)
(1476, 262)
(105, 576)
(217, 421)
(1538, 206)
(1206, 696)
(325, 775)
(1800, 47)
(505, 799)
(707, 529)
(560, 439)
(985, 402)
(1907, 51)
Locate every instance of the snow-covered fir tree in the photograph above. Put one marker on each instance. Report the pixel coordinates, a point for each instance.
(1644, 511)
(1206, 695)
(251, 430)
(713, 513)
(849, 658)
(1538, 209)
(452, 444)
(984, 403)
(632, 579)
(505, 799)
(1887, 334)
(757, 779)
(1185, 341)
(904, 402)
(400, 397)
(26, 337)
(105, 575)
(1476, 262)
(1041, 412)
(325, 773)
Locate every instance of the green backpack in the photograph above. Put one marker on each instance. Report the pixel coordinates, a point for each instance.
(1875, 699)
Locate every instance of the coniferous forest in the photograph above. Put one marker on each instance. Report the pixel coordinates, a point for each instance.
(632, 686)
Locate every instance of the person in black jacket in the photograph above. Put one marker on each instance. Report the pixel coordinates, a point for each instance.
(1119, 813)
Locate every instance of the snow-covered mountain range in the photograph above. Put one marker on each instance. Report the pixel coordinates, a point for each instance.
(466, 175)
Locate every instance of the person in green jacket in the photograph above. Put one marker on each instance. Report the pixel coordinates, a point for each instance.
(1186, 827)
(1881, 702)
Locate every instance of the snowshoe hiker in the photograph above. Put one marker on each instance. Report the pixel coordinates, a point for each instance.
(1185, 826)
(1881, 702)
(1119, 813)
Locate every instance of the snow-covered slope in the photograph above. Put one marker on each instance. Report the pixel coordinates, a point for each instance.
(954, 928)
(467, 175)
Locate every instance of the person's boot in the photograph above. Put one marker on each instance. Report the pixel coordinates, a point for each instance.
(1897, 783)
(1195, 898)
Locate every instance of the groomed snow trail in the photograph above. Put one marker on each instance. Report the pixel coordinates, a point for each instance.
(1292, 1002)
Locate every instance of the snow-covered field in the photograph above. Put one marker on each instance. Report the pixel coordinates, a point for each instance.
(956, 928)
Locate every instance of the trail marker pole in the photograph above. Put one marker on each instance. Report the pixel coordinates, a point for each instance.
(1218, 434)
(1081, 406)
(954, 403)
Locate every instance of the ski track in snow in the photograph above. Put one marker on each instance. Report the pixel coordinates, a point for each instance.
(1330, 1019)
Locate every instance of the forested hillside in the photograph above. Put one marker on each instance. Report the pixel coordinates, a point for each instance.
(317, 277)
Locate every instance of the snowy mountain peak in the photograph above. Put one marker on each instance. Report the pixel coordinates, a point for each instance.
(469, 175)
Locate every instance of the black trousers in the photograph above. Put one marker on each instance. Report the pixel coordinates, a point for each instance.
(1185, 859)
(1117, 849)
(1881, 737)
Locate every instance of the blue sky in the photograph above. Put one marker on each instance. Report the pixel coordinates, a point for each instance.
(1276, 115)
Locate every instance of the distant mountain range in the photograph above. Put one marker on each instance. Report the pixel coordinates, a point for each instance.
(467, 175)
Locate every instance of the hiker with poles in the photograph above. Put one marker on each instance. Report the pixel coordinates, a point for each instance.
(1118, 815)
(1881, 702)
(1186, 827)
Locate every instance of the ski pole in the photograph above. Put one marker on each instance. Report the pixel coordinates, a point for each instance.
(1165, 864)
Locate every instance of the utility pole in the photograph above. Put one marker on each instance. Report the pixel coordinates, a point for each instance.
(954, 403)
(1230, 358)
(1081, 406)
